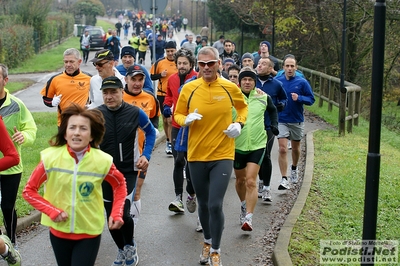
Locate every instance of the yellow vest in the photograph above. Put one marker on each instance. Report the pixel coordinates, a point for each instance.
(142, 45)
(76, 189)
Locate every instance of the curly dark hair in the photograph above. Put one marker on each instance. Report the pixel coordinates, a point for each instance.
(97, 125)
(185, 53)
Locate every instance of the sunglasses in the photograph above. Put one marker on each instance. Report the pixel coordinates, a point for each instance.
(210, 63)
(233, 76)
(100, 64)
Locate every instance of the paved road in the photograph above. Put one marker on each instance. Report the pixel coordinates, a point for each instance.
(163, 237)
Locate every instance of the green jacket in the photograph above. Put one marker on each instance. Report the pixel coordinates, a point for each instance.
(253, 135)
(15, 113)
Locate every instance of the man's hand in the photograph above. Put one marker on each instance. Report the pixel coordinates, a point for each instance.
(167, 111)
(192, 117)
(280, 106)
(56, 100)
(18, 137)
(233, 130)
(142, 163)
(274, 130)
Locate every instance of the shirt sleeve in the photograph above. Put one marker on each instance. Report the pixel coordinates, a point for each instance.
(150, 134)
(11, 157)
(32, 196)
(27, 125)
(117, 181)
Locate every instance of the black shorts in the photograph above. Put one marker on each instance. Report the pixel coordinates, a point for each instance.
(161, 101)
(242, 158)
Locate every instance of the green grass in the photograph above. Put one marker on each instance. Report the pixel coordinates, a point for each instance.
(47, 126)
(16, 86)
(52, 59)
(335, 205)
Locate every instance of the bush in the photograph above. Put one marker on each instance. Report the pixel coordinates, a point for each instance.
(16, 44)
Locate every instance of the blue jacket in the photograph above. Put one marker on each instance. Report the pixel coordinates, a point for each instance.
(148, 84)
(273, 88)
(293, 113)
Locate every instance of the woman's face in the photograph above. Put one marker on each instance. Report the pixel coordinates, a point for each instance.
(78, 134)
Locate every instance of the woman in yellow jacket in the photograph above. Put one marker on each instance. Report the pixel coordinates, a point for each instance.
(73, 169)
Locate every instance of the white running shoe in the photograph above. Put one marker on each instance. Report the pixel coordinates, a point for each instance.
(294, 176)
(266, 195)
(284, 184)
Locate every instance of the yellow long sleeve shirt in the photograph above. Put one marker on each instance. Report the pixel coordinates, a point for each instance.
(214, 101)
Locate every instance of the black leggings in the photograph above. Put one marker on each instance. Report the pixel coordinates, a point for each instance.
(265, 171)
(210, 181)
(9, 188)
(75, 252)
(85, 55)
(179, 163)
(124, 235)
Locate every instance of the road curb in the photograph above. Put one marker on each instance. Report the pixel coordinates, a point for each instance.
(280, 255)
(34, 216)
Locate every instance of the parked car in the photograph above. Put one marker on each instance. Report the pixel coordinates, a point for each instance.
(98, 36)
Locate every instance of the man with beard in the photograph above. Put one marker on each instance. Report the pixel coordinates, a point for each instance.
(184, 60)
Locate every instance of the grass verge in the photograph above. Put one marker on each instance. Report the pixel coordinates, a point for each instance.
(16, 86)
(335, 205)
(47, 127)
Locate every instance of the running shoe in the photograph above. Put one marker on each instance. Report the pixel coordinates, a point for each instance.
(266, 195)
(120, 260)
(215, 259)
(294, 176)
(177, 205)
(243, 213)
(131, 257)
(191, 204)
(199, 228)
(13, 257)
(260, 188)
(205, 254)
(247, 225)
(168, 148)
(284, 184)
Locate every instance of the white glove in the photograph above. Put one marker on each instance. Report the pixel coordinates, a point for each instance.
(192, 116)
(56, 100)
(233, 130)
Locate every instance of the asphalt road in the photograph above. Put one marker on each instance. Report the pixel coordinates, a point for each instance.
(163, 238)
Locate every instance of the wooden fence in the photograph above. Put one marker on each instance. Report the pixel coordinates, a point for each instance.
(348, 100)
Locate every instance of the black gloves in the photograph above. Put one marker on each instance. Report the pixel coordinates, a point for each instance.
(274, 130)
(280, 106)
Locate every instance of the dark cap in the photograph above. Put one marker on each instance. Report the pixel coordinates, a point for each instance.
(228, 60)
(247, 72)
(104, 54)
(222, 37)
(134, 70)
(111, 83)
(267, 44)
(127, 50)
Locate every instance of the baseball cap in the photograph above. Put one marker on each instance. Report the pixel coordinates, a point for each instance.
(111, 83)
(104, 54)
(134, 70)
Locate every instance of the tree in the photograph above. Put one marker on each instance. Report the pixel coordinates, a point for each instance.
(89, 8)
(223, 16)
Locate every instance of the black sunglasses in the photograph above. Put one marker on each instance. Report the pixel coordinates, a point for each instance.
(210, 63)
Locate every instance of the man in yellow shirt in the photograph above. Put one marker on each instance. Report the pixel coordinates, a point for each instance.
(205, 106)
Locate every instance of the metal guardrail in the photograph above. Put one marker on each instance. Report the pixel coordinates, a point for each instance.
(348, 100)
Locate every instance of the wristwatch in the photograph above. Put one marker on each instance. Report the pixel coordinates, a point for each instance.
(241, 124)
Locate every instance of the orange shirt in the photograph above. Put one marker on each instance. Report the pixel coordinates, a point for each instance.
(157, 68)
(74, 89)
